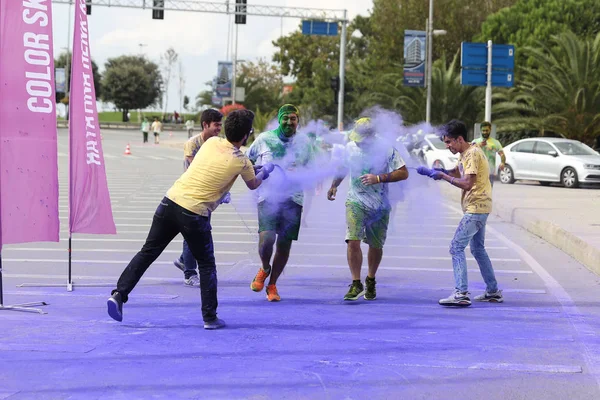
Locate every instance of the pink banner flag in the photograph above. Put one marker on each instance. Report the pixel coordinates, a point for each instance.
(89, 199)
(28, 138)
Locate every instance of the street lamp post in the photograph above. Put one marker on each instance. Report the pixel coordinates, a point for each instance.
(430, 34)
(233, 82)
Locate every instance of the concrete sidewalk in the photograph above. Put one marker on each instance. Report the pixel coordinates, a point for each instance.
(566, 218)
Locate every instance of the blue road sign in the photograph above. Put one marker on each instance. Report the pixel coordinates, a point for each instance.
(503, 57)
(478, 77)
(474, 55)
(313, 27)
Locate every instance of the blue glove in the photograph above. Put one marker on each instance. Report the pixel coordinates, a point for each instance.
(436, 175)
(263, 174)
(257, 168)
(268, 167)
(441, 169)
(226, 199)
(424, 171)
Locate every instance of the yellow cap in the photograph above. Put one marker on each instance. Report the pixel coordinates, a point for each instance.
(362, 130)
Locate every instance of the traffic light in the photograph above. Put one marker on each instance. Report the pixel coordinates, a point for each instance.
(240, 7)
(158, 9)
(88, 7)
(335, 83)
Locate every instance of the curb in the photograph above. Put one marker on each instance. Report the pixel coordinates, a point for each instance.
(564, 240)
(571, 244)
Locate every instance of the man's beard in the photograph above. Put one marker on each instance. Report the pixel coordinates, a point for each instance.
(288, 130)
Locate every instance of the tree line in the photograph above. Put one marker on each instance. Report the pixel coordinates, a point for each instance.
(557, 68)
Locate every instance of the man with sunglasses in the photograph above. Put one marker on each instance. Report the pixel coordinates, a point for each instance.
(187, 208)
(472, 176)
(279, 204)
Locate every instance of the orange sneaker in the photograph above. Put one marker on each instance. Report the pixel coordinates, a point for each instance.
(272, 294)
(259, 280)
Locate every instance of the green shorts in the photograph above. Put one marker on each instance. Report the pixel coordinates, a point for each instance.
(282, 218)
(367, 225)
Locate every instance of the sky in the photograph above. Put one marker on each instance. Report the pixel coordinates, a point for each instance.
(200, 39)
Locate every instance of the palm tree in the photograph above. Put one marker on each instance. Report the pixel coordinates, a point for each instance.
(560, 94)
(449, 99)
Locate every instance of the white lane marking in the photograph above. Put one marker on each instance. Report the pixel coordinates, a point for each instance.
(77, 261)
(437, 258)
(217, 252)
(140, 240)
(499, 271)
(587, 335)
(96, 277)
(340, 244)
(554, 369)
(214, 220)
(79, 294)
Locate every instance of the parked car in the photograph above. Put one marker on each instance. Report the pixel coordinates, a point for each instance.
(434, 153)
(549, 160)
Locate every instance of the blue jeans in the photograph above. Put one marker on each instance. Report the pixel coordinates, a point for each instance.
(188, 261)
(471, 229)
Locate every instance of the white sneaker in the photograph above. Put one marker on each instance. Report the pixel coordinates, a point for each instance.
(456, 299)
(192, 281)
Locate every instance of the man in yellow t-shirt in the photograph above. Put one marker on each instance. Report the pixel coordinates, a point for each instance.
(211, 121)
(186, 209)
(472, 176)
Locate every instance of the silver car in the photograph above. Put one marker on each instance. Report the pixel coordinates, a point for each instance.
(549, 160)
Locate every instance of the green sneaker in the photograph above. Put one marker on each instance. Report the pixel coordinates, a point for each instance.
(356, 290)
(370, 292)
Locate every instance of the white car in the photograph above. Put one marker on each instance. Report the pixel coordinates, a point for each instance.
(549, 160)
(436, 155)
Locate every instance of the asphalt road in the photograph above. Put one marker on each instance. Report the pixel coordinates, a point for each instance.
(541, 343)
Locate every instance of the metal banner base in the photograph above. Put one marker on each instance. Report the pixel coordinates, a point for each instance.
(69, 285)
(25, 307)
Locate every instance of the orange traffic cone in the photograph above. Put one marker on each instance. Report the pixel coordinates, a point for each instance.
(127, 150)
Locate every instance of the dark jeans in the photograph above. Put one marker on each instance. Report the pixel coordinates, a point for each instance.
(145, 137)
(169, 220)
(188, 261)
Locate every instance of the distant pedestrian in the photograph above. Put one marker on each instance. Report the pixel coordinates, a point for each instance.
(189, 125)
(157, 128)
(145, 129)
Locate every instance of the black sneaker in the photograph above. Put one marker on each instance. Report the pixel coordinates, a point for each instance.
(214, 324)
(456, 299)
(370, 292)
(115, 307)
(179, 264)
(356, 290)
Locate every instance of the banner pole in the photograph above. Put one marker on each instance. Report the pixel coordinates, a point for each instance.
(70, 279)
(25, 307)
